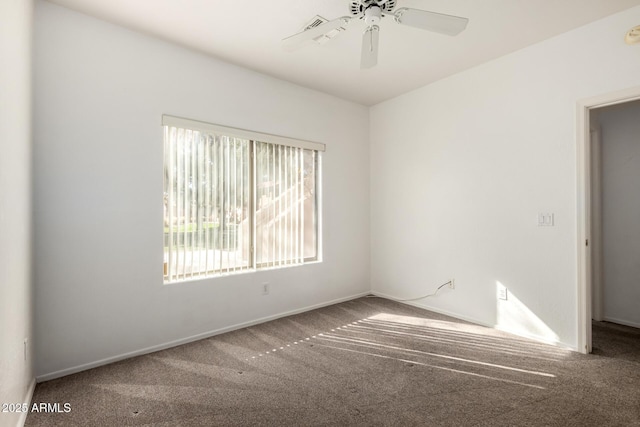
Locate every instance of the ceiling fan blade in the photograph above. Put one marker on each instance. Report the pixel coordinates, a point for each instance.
(297, 40)
(370, 47)
(431, 21)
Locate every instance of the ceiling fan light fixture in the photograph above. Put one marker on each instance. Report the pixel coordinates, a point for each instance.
(372, 15)
(633, 35)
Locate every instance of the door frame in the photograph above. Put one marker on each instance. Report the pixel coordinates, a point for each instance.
(583, 199)
(595, 242)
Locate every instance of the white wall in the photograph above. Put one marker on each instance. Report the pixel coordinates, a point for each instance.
(16, 373)
(100, 91)
(620, 130)
(461, 168)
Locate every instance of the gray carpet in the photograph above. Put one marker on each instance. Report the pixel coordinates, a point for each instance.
(368, 362)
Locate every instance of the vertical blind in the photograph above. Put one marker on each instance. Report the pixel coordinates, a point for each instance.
(233, 203)
(285, 211)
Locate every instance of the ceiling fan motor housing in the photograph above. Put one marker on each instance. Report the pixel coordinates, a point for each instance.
(358, 7)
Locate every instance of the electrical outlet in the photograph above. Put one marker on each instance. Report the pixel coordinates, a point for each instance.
(26, 343)
(266, 288)
(452, 284)
(502, 293)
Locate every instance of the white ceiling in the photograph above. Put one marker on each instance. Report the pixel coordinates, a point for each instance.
(249, 32)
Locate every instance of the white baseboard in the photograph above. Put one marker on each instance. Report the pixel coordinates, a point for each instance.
(538, 338)
(147, 350)
(27, 399)
(478, 322)
(621, 322)
(435, 310)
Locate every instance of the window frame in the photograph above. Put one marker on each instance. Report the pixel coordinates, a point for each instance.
(253, 138)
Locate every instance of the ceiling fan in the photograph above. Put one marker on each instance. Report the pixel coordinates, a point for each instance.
(372, 12)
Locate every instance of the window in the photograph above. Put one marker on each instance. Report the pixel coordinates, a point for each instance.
(236, 200)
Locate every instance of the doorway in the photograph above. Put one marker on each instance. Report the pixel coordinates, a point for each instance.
(590, 215)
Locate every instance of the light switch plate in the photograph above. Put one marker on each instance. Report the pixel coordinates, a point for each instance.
(545, 220)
